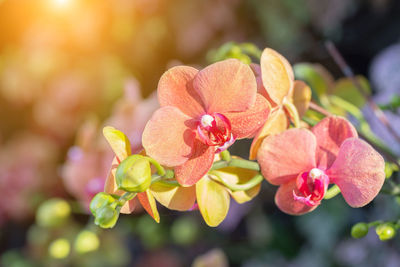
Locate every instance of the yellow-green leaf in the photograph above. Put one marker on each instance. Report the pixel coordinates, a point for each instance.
(319, 79)
(345, 89)
(213, 200)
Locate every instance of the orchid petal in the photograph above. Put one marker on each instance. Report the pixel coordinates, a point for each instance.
(175, 88)
(197, 166)
(301, 97)
(245, 124)
(213, 200)
(260, 86)
(225, 86)
(359, 172)
(149, 204)
(277, 122)
(277, 75)
(118, 141)
(174, 197)
(168, 137)
(330, 133)
(282, 157)
(286, 202)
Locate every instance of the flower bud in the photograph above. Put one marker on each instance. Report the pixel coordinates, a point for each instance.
(106, 217)
(53, 213)
(385, 231)
(100, 200)
(86, 241)
(134, 174)
(359, 230)
(59, 248)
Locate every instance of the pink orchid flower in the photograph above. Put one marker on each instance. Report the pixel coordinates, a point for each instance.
(202, 113)
(303, 163)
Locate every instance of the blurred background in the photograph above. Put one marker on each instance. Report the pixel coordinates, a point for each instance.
(69, 67)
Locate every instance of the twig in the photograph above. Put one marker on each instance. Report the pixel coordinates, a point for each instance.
(320, 109)
(348, 72)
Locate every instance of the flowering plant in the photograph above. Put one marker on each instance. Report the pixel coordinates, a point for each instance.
(185, 163)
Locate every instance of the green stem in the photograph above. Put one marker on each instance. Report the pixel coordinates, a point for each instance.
(160, 169)
(125, 198)
(225, 155)
(219, 165)
(244, 164)
(375, 223)
(257, 179)
(332, 192)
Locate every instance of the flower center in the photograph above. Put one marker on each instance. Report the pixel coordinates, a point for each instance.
(215, 130)
(311, 187)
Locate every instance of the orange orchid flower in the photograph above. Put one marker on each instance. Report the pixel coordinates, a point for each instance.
(202, 113)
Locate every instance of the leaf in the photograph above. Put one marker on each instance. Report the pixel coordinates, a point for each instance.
(345, 89)
(213, 200)
(316, 76)
(118, 141)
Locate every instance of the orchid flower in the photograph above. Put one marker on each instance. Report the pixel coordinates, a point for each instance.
(275, 81)
(202, 113)
(303, 163)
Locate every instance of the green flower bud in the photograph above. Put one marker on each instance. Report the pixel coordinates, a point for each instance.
(53, 212)
(106, 217)
(100, 200)
(134, 174)
(385, 231)
(86, 241)
(59, 248)
(359, 230)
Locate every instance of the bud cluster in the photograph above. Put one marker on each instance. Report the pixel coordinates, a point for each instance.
(133, 175)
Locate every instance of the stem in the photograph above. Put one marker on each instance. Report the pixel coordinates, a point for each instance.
(160, 169)
(125, 198)
(225, 155)
(240, 163)
(219, 165)
(320, 109)
(257, 179)
(244, 164)
(375, 223)
(332, 192)
(348, 72)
